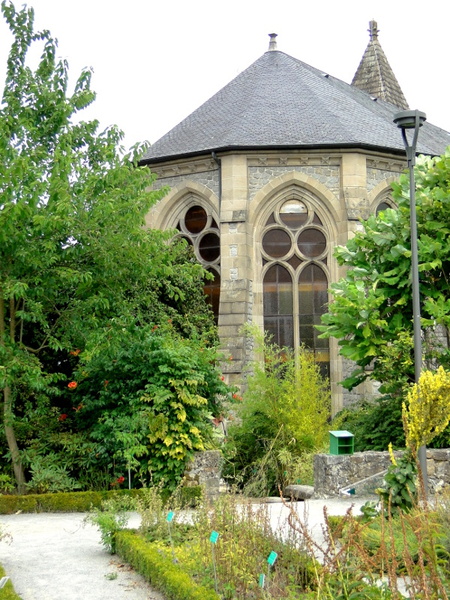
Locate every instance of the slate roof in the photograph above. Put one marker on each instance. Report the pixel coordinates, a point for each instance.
(374, 74)
(281, 102)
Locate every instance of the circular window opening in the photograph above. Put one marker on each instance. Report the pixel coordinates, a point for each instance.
(382, 206)
(209, 247)
(186, 239)
(312, 243)
(196, 219)
(276, 243)
(294, 213)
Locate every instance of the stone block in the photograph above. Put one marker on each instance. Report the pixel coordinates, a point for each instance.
(298, 492)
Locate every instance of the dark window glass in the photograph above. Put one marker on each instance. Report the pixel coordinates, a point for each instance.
(188, 240)
(316, 220)
(278, 305)
(212, 290)
(312, 243)
(293, 214)
(382, 206)
(209, 247)
(276, 243)
(196, 219)
(313, 297)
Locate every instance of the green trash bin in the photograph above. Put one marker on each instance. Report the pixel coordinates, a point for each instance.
(342, 442)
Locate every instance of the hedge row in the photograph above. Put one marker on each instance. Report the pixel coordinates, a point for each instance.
(159, 570)
(7, 592)
(76, 501)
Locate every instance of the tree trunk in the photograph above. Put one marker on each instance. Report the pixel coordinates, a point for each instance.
(7, 399)
(12, 442)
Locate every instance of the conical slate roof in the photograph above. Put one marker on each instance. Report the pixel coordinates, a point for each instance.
(374, 74)
(281, 102)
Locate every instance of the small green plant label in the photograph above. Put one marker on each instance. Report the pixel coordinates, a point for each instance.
(272, 558)
(170, 516)
(262, 580)
(214, 537)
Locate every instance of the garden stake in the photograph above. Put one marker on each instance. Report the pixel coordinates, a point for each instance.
(213, 539)
(169, 520)
(271, 561)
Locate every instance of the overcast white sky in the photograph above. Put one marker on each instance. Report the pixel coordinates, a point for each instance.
(155, 61)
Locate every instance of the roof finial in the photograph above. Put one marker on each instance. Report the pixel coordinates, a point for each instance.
(373, 31)
(273, 41)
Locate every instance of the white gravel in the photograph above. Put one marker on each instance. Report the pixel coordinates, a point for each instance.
(58, 557)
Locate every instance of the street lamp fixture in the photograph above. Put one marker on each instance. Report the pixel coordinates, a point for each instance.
(414, 119)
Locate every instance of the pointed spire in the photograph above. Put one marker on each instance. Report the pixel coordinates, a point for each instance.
(273, 41)
(374, 74)
(373, 31)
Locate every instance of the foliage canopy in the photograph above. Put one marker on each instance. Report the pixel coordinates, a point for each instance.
(77, 266)
(371, 312)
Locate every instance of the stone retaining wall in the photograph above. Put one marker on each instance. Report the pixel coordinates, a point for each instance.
(332, 473)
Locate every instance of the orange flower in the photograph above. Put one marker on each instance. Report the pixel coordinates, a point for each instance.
(72, 385)
(62, 417)
(75, 352)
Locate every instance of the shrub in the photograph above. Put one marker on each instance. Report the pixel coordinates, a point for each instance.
(378, 423)
(282, 421)
(82, 501)
(159, 569)
(246, 540)
(110, 518)
(149, 402)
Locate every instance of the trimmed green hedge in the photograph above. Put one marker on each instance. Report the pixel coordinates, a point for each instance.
(7, 592)
(76, 501)
(159, 570)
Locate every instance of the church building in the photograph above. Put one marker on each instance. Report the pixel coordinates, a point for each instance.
(267, 177)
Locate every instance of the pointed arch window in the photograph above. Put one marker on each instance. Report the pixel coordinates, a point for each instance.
(198, 227)
(295, 252)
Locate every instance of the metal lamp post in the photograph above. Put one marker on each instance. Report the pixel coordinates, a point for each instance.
(414, 119)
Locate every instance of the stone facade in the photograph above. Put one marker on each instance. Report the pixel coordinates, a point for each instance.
(240, 190)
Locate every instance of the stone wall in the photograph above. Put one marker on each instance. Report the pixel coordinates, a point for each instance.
(204, 470)
(333, 473)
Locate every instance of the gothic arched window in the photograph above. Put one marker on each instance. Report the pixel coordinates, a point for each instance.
(294, 253)
(201, 232)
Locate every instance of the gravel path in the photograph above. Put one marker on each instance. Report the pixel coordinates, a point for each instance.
(58, 557)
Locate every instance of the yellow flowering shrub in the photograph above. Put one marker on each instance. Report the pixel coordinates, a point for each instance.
(426, 412)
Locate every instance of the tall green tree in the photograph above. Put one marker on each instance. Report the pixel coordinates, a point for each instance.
(76, 264)
(371, 311)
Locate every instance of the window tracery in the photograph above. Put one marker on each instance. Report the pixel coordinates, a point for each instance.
(201, 232)
(295, 250)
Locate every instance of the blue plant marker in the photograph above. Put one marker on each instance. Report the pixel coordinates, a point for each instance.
(214, 537)
(272, 558)
(169, 520)
(262, 580)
